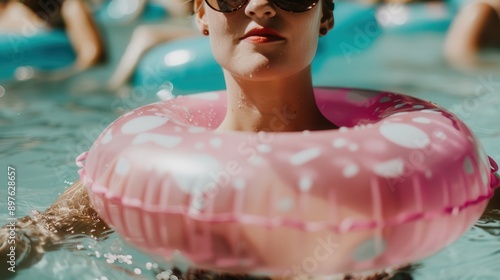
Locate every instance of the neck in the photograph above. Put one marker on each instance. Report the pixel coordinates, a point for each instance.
(283, 104)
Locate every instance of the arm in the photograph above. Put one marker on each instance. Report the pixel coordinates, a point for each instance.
(72, 213)
(143, 39)
(477, 26)
(83, 33)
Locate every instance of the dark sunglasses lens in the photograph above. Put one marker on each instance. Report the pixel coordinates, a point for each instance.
(295, 6)
(226, 6)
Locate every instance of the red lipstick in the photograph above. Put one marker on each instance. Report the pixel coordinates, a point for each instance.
(262, 35)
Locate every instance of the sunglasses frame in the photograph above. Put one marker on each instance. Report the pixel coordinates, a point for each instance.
(274, 2)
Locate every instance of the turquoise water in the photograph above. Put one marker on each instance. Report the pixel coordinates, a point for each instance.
(44, 126)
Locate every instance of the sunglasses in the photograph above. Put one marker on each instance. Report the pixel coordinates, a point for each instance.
(292, 6)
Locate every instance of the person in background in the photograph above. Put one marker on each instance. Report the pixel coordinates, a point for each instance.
(146, 37)
(73, 16)
(475, 28)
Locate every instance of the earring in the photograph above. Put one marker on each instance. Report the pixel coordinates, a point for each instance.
(205, 32)
(323, 31)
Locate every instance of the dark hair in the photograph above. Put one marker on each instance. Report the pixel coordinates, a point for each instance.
(402, 273)
(328, 4)
(198, 274)
(47, 10)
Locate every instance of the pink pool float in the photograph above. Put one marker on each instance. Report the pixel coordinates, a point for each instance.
(401, 179)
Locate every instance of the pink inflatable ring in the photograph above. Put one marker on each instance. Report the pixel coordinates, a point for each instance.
(401, 179)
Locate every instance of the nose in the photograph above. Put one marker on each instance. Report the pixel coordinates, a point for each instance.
(260, 8)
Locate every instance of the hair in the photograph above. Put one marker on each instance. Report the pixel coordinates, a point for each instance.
(40, 7)
(328, 7)
(403, 273)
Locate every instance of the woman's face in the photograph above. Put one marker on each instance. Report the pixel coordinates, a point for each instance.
(260, 41)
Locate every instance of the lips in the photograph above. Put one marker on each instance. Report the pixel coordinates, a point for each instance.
(262, 35)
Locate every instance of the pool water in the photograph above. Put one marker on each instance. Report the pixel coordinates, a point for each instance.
(44, 126)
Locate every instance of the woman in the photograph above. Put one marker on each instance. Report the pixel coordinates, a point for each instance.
(28, 17)
(266, 55)
(266, 52)
(146, 37)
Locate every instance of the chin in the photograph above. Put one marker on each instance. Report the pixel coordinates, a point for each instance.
(267, 71)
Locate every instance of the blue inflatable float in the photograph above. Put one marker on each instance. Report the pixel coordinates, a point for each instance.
(413, 18)
(44, 51)
(118, 11)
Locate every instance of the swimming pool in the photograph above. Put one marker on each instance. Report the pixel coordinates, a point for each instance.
(44, 126)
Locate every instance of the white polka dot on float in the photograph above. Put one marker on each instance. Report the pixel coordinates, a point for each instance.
(405, 135)
(353, 147)
(107, 137)
(305, 183)
(257, 160)
(216, 142)
(285, 204)
(143, 124)
(264, 149)
(390, 169)
(305, 156)
(440, 135)
(399, 114)
(431, 111)
(128, 114)
(239, 183)
(122, 167)
(339, 143)
(370, 249)
(468, 166)
(421, 120)
(164, 141)
(350, 170)
(196, 129)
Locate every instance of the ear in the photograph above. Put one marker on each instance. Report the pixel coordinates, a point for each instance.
(199, 11)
